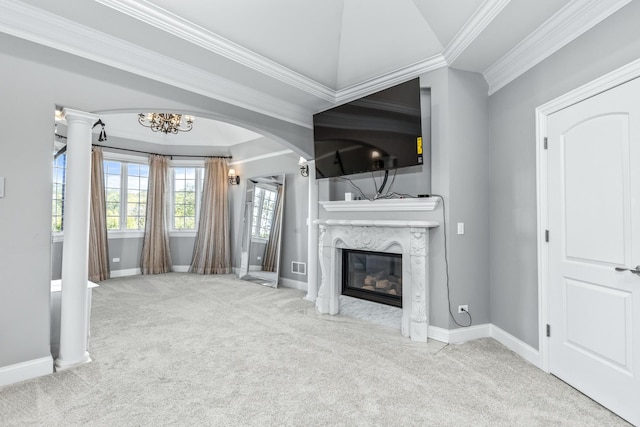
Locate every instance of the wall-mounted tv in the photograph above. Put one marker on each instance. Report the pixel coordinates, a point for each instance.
(379, 132)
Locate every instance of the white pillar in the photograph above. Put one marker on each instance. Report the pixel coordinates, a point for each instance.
(75, 251)
(312, 235)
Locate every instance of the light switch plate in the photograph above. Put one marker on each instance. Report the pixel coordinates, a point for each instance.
(461, 228)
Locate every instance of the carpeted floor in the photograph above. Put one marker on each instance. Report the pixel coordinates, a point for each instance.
(181, 349)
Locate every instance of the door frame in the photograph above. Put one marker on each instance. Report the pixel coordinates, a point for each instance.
(608, 81)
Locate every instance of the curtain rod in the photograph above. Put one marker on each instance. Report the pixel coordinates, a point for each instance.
(157, 154)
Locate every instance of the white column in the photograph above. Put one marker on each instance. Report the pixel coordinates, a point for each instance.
(75, 251)
(312, 235)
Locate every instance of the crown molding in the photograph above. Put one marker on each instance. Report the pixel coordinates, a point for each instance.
(38, 26)
(475, 25)
(164, 20)
(389, 79)
(261, 157)
(566, 25)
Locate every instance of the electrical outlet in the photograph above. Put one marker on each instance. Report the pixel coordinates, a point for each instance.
(463, 308)
(116, 260)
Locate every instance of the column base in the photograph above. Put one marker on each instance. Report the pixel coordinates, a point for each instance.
(62, 365)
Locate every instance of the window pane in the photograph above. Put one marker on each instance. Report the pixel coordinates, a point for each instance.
(184, 197)
(57, 195)
(135, 203)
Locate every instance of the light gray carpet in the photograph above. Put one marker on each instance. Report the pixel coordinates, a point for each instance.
(182, 349)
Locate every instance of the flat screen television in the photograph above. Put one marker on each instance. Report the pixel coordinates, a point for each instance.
(379, 132)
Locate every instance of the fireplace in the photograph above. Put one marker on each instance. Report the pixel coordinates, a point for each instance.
(373, 276)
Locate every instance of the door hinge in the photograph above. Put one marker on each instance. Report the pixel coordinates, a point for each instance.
(546, 142)
(548, 330)
(546, 236)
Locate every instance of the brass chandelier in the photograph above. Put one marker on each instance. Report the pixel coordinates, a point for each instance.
(166, 122)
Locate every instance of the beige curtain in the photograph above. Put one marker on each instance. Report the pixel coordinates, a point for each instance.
(271, 252)
(212, 251)
(98, 245)
(156, 257)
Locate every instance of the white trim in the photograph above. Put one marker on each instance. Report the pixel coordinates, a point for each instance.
(125, 272)
(458, 336)
(26, 370)
(487, 330)
(599, 85)
(36, 25)
(294, 284)
(180, 268)
(189, 31)
(261, 157)
(142, 159)
(474, 26)
(382, 205)
(125, 234)
(519, 347)
(181, 163)
(57, 236)
(570, 22)
(438, 334)
(389, 79)
(183, 233)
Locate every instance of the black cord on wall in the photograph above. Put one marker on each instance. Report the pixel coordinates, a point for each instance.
(446, 262)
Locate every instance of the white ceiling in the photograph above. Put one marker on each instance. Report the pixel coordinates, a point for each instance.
(292, 58)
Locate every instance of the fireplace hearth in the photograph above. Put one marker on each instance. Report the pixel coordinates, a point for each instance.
(372, 276)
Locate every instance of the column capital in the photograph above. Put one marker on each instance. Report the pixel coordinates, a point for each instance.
(76, 115)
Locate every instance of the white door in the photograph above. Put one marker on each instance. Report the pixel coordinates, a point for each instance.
(594, 225)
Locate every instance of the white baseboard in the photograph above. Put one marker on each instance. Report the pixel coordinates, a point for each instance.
(26, 370)
(460, 335)
(457, 336)
(519, 347)
(126, 272)
(290, 283)
(180, 268)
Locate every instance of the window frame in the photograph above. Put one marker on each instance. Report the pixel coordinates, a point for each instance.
(198, 164)
(124, 159)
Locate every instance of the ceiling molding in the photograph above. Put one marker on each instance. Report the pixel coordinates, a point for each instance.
(480, 19)
(34, 24)
(261, 157)
(566, 25)
(164, 20)
(390, 79)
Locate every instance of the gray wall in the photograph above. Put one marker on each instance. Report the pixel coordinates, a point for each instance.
(514, 288)
(36, 79)
(460, 173)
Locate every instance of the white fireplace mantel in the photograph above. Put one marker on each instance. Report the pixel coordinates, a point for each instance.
(409, 238)
(420, 204)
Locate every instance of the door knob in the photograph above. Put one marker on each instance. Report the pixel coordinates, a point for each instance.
(631, 270)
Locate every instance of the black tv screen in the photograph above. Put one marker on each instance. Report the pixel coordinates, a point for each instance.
(381, 131)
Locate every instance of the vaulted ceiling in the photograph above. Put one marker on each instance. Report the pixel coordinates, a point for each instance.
(292, 58)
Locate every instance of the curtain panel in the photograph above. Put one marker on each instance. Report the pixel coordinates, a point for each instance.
(98, 244)
(156, 256)
(212, 250)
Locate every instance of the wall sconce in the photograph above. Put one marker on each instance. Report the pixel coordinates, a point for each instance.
(304, 167)
(233, 178)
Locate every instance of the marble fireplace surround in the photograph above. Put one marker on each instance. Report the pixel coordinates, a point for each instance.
(406, 237)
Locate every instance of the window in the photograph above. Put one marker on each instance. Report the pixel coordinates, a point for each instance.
(187, 193)
(264, 203)
(126, 198)
(59, 180)
(112, 185)
(137, 184)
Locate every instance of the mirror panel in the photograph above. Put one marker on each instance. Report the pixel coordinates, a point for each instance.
(262, 230)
